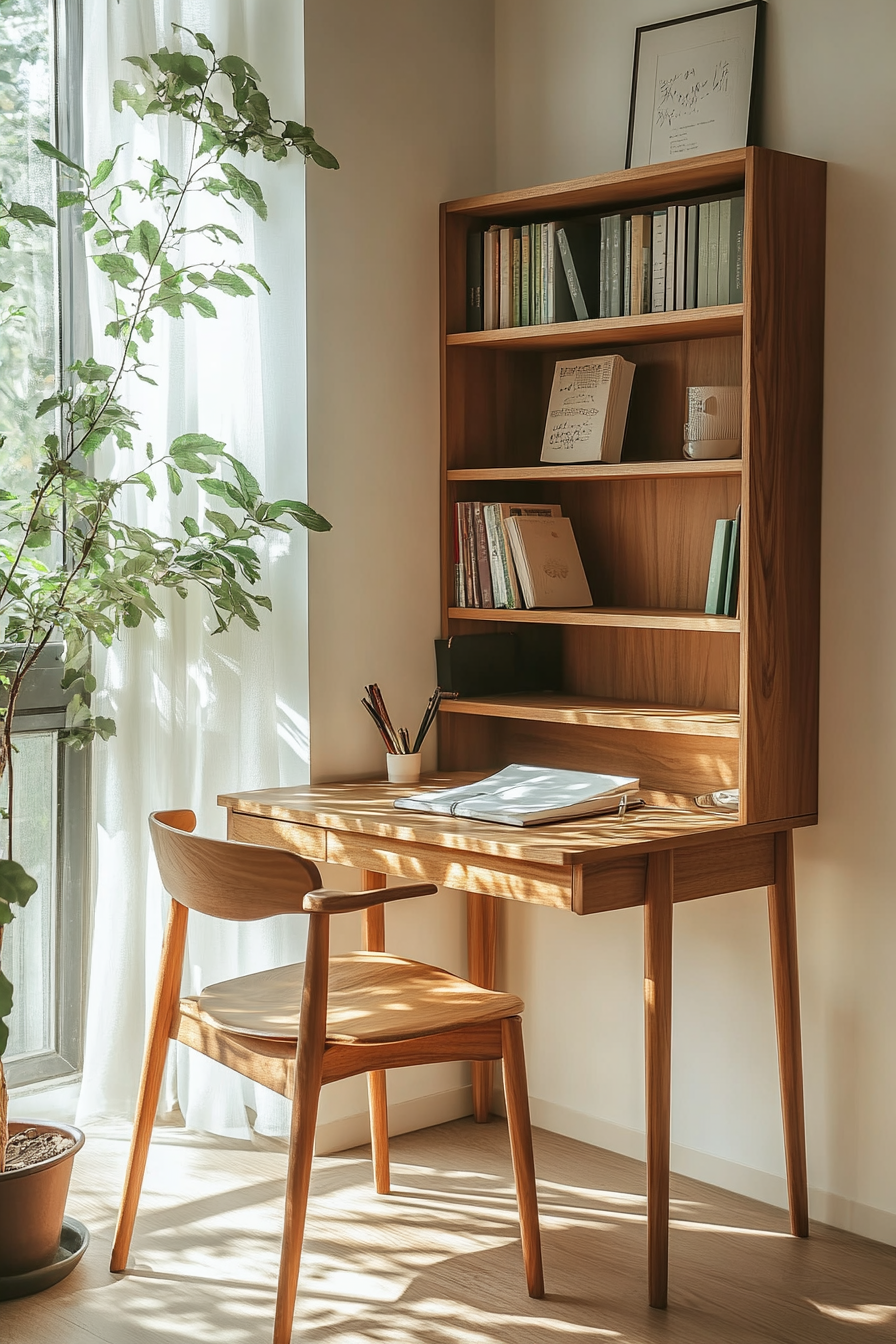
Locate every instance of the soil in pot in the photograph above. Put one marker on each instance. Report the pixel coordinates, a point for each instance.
(32, 1145)
(33, 1195)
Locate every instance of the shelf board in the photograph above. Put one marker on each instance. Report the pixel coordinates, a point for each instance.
(600, 471)
(631, 618)
(593, 713)
(688, 324)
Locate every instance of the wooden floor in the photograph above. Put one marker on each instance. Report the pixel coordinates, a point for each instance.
(439, 1261)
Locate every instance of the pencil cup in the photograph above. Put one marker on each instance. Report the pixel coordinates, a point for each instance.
(403, 769)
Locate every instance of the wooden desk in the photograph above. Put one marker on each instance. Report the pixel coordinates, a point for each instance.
(651, 858)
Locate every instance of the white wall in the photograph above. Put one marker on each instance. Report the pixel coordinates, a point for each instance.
(402, 91)
(563, 79)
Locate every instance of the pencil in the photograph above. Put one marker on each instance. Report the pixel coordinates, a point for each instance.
(380, 729)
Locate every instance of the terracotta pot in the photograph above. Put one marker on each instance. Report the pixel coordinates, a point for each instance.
(32, 1204)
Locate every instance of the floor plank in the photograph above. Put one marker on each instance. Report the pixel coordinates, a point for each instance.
(438, 1261)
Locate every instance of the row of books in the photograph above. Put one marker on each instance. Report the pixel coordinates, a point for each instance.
(682, 256)
(515, 556)
(724, 568)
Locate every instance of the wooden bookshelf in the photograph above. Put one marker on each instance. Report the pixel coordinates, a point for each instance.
(648, 682)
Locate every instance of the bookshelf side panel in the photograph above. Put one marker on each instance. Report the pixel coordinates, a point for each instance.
(783, 372)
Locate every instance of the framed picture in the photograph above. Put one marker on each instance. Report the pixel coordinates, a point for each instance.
(694, 85)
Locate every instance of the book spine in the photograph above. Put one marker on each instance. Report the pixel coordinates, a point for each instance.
(525, 275)
(681, 237)
(729, 607)
(470, 560)
(718, 569)
(736, 262)
(550, 241)
(474, 280)
(724, 250)
(492, 517)
(703, 255)
(615, 259)
(488, 281)
(536, 269)
(460, 591)
(627, 268)
(637, 246)
(517, 550)
(517, 279)
(572, 279)
(545, 301)
(658, 290)
(712, 263)
(671, 254)
(690, 265)
(482, 565)
(505, 301)
(604, 269)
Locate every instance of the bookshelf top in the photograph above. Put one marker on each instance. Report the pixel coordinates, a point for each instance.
(627, 186)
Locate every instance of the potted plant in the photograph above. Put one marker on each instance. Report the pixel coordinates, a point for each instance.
(71, 568)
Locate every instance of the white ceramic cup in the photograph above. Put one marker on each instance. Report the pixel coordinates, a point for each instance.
(403, 769)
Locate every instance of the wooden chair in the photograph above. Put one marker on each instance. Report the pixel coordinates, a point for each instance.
(298, 1027)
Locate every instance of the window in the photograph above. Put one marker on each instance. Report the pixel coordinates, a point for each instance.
(44, 948)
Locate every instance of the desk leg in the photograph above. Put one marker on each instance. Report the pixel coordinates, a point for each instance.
(785, 973)
(374, 930)
(658, 1051)
(482, 942)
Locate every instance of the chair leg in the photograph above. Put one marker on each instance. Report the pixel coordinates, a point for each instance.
(166, 1001)
(379, 1130)
(517, 1096)
(309, 1072)
(373, 927)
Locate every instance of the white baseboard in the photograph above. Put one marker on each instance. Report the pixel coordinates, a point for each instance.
(419, 1113)
(862, 1219)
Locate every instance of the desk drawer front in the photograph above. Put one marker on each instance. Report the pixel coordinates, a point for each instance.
(309, 841)
(536, 883)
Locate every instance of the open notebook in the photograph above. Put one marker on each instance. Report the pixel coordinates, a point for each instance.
(525, 795)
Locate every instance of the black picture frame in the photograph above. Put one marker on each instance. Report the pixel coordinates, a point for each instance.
(751, 131)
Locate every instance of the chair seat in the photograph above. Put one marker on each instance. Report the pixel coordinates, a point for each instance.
(373, 997)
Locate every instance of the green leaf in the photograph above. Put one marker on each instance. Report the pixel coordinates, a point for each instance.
(147, 482)
(323, 158)
(49, 403)
(105, 727)
(102, 237)
(235, 65)
(190, 526)
(16, 886)
(30, 214)
(231, 284)
(144, 238)
(223, 522)
(203, 306)
(242, 188)
(200, 443)
(120, 270)
(140, 61)
(191, 462)
(64, 198)
(303, 514)
(211, 139)
(104, 169)
(223, 489)
(256, 275)
(51, 152)
(248, 484)
(175, 479)
(203, 42)
(141, 100)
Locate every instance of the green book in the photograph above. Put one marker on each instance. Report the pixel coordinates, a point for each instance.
(718, 568)
(733, 575)
(525, 275)
(736, 260)
(517, 277)
(703, 254)
(536, 275)
(724, 249)
(604, 269)
(712, 262)
(614, 308)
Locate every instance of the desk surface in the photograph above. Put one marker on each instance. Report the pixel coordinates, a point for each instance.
(575, 865)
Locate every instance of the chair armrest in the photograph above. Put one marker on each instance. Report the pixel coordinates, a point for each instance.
(339, 902)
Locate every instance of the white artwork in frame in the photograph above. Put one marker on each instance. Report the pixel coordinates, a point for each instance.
(693, 86)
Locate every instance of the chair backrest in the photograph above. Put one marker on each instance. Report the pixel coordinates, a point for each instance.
(224, 877)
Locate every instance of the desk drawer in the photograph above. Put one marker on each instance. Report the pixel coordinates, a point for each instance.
(309, 841)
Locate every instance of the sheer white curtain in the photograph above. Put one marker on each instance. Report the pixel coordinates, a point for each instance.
(198, 714)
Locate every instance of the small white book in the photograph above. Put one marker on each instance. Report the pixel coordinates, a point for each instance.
(587, 410)
(525, 795)
(547, 562)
